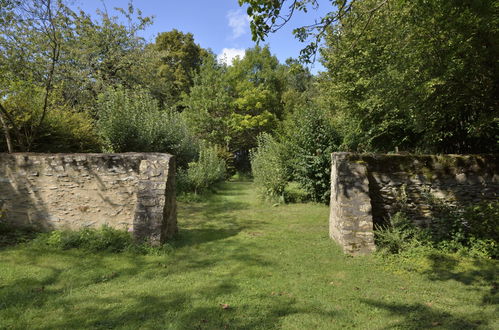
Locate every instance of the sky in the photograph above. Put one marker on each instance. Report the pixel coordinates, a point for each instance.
(220, 25)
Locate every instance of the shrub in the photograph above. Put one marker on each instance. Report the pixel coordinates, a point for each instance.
(294, 193)
(472, 230)
(65, 130)
(11, 235)
(209, 169)
(398, 235)
(310, 139)
(268, 168)
(131, 120)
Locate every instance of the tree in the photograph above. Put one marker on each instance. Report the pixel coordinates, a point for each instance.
(256, 85)
(230, 106)
(179, 59)
(268, 16)
(52, 58)
(421, 77)
(208, 106)
(31, 41)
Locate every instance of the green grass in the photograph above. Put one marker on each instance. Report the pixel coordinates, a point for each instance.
(273, 267)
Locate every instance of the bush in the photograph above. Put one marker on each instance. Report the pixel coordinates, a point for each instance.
(131, 120)
(472, 230)
(309, 139)
(398, 235)
(62, 129)
(268, 168)
(67, 131)
(209, 169)
(11, 235)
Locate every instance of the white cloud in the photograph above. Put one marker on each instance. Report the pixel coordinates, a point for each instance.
(238, 22)
(228, 55)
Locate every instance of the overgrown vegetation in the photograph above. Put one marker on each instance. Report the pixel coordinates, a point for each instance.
(472, 231)
(269, 168)
(105, 239)
(206, 171)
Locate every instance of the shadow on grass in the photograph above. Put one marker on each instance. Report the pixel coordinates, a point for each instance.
(484, 272)
(196, 306)
(112, 290)
(11, 235)
(176, 311)
(212, 220)
(421, 316)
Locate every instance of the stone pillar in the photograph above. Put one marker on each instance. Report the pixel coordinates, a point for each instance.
(155, 214)
(350, 220)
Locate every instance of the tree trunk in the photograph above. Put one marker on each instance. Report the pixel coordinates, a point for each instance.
(6, 133)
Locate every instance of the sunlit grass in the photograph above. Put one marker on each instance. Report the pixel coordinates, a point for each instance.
(241, 263)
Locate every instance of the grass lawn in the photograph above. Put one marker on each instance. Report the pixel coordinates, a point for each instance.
(239, 263)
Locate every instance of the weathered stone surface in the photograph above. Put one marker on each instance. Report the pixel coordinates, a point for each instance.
(131, 191)
(350, 222)
(367, 189)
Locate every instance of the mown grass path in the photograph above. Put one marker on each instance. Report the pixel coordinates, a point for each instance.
(239, 263)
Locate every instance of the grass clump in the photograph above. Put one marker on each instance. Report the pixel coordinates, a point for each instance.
(104, 239)
(88, 239)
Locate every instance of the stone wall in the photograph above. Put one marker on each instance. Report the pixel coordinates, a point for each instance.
(131, 191)
(366, 189)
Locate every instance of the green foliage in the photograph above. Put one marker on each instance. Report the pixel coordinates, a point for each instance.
(92, 240)
(105, 239)
(417, 75)
(231, 106)
(208, 106)
(67, 131)
(269, 171)
(209, 169)
(131, 120)
(179, 59)
(294, 193)
(472, 230)
(482, 219)
(399, 235)
(53, 58)
(256, 85)
(12, 235)
(310, 139)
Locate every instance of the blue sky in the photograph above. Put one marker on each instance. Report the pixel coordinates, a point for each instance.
(220, 25)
